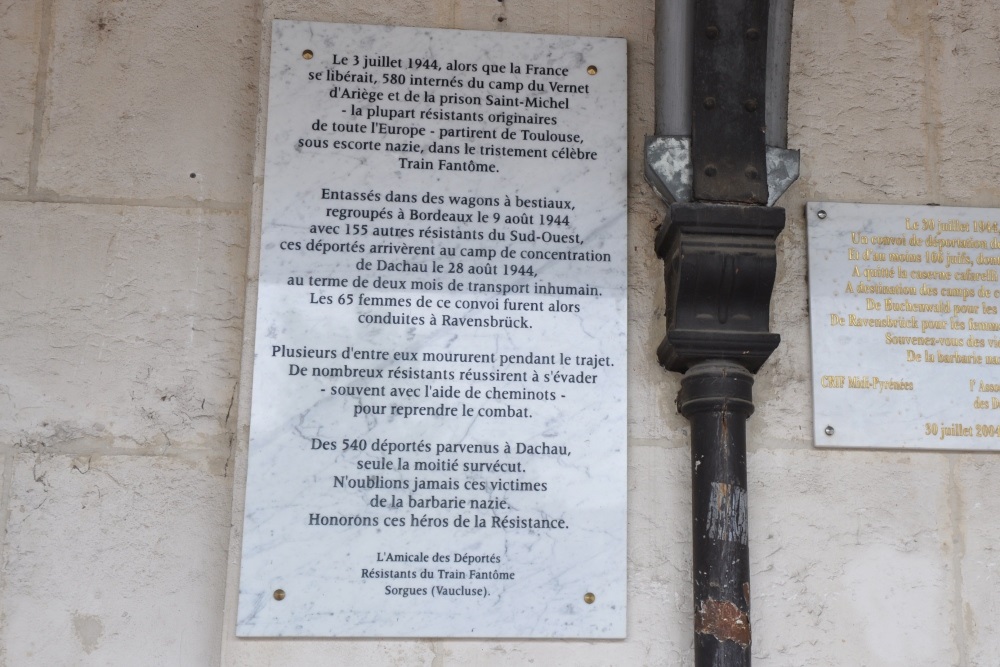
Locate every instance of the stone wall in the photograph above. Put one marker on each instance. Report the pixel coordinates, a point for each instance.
(130, 171)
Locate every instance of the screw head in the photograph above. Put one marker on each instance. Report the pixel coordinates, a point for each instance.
(750, 105)
(279, 595)
(753, 34)
(751, 173)
(821, 215)
(709, 102)
(712, 32)
(710, 170)
(589, 598)
(828, 430)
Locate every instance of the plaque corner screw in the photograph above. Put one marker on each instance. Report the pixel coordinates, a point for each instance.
(589, 598)
(307, 54)
(279, 595)
(828, 430)
(821, 215)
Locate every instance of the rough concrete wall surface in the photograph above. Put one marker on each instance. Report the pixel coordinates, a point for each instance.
(130, 171)
(126, 149)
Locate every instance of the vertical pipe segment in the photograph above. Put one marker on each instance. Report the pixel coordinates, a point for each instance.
(779, 50)
(719, 260)
(674, 32)
(716, 398)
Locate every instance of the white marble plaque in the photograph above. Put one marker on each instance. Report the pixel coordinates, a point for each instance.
(905, 330)
(438, 425)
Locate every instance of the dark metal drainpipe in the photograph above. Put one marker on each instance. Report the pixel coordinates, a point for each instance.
(718, 248)
(716, 398)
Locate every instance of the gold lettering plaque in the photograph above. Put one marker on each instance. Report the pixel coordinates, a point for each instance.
(904, 307)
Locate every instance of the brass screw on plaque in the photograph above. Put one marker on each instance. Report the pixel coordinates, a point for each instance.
(279, 595)
(307, 54)
(591, 70)
(589, 598)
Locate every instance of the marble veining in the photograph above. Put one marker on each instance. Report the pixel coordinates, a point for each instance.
(340, 367)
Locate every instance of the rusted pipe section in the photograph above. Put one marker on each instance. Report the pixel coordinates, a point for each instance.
(716, 397)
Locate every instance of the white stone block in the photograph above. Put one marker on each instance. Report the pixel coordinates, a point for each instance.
(851, 559)
(978, 551)
(20, 21)
(856, 100)
(116, 560)
(143, 95)
(416, 13)
(324, 653)
(122, 325)
(4, 456)
(962, 90)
